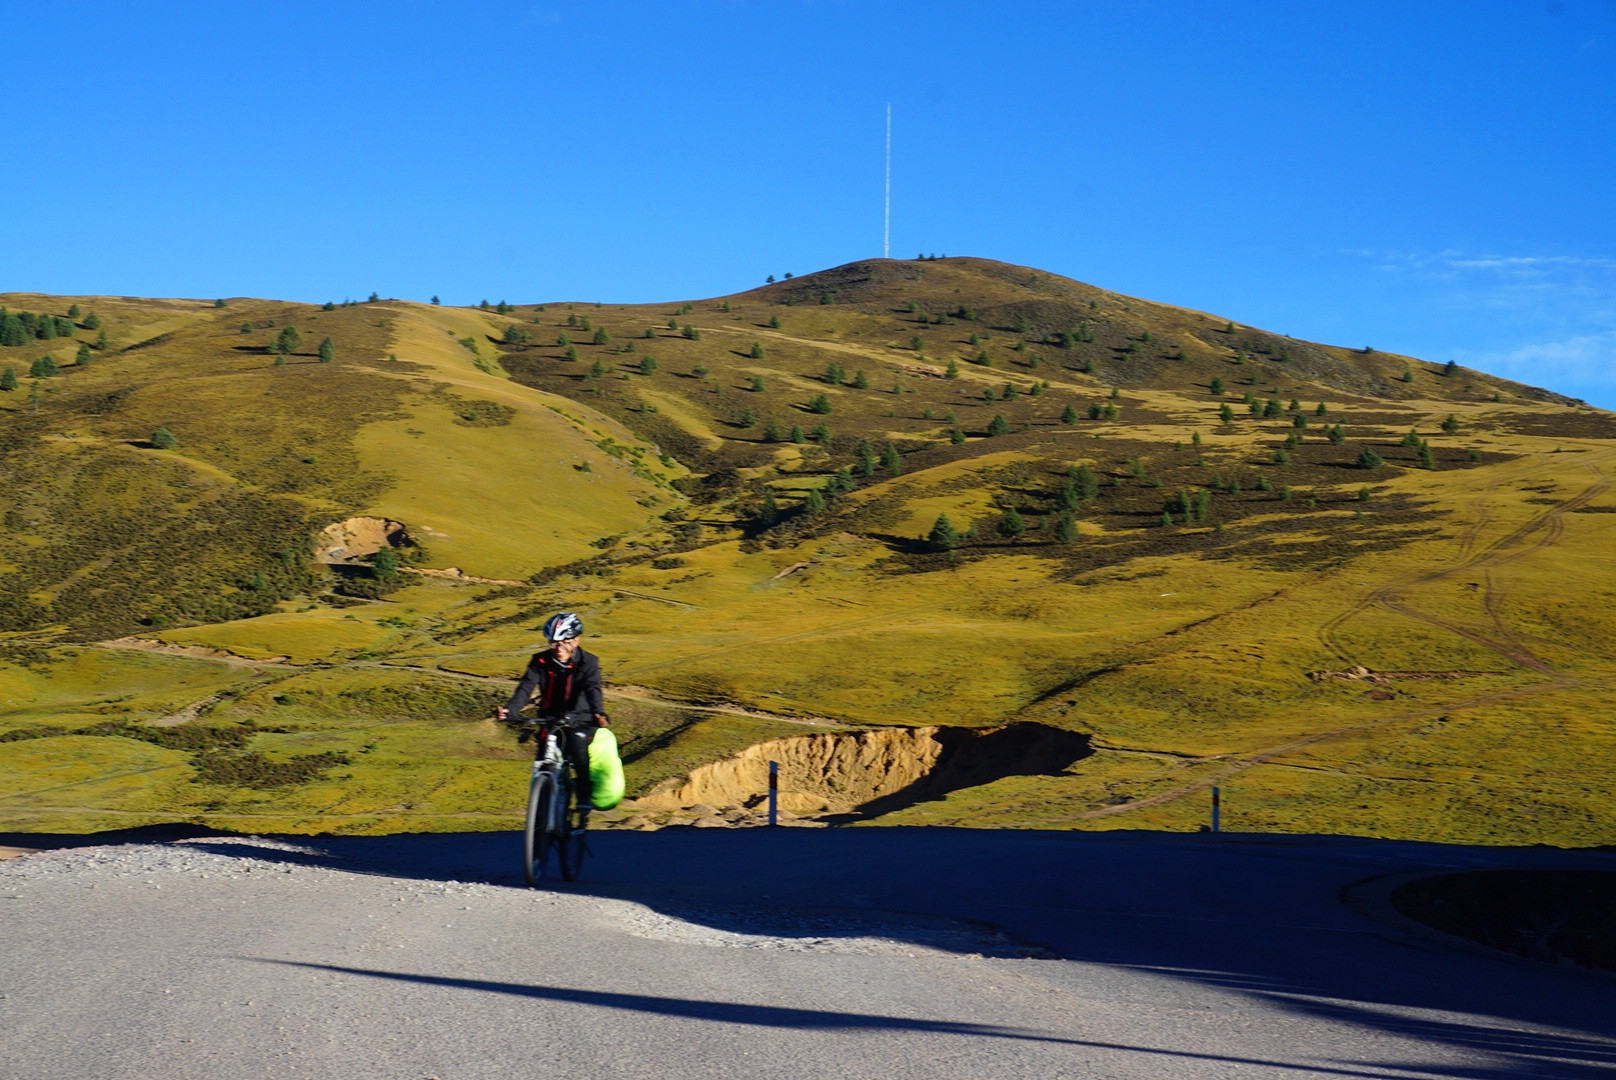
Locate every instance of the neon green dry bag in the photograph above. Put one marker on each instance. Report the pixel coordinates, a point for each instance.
(605, 770)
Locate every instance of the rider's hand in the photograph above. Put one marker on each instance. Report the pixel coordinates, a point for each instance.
(501, 713)
(601, 721)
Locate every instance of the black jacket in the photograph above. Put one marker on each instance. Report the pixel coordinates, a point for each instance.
(560, 690)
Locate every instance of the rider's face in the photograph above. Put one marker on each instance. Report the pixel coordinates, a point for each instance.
(565, 649)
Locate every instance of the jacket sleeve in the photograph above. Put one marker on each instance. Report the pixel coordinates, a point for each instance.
(525, 689)
(593, 693)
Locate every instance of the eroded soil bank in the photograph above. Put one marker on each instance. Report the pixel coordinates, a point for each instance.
(855, 775)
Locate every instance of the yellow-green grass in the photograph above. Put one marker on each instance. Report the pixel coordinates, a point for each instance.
(1184, 650)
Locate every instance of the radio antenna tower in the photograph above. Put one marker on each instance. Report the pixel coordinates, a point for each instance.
(886, 212)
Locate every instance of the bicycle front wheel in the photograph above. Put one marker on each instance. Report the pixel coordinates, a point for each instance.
(539, 836)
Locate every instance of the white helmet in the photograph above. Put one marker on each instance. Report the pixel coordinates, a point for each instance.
(563, 627)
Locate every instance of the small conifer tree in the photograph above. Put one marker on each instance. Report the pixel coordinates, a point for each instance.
(328, 351)
(92, 321)
(998, 425)
(819, 403)
(815, 503)
(1066, 529)
(1368, 459)
(943, 535)
(1011, 525)
(8, 378)
(44, 368)
(83, 357)
(1226, 414)
(956, 436)
(757, 350)
(866, 457)
(602, 337)
(1427, 459)
(953, 370)
(860, 382)
(757, 384)
(1069, 414)
(891, 460)
(1451, 424)
(1217, 386)
(648, 365)
(163, 439)
(796, 434)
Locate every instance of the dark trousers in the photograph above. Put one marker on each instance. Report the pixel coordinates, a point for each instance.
(574, 735)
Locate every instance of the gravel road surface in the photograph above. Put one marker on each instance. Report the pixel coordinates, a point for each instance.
(758, 953)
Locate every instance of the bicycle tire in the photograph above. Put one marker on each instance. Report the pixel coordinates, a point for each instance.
(539, 836)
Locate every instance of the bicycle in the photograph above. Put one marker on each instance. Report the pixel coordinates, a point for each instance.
(549, 814)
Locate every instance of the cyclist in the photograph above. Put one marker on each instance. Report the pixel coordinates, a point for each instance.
(563, 681)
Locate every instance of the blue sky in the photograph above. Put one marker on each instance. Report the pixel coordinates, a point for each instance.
(1432, 178)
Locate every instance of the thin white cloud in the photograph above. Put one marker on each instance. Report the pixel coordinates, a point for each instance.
(1586, 360)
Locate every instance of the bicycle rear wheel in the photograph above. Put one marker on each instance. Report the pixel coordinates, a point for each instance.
(539, 835)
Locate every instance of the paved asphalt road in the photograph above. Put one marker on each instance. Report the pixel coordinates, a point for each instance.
(800, 953)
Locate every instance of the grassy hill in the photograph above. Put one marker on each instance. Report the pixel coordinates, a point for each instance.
(1357, 591)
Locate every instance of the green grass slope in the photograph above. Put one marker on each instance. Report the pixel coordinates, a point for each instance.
(1356, 591)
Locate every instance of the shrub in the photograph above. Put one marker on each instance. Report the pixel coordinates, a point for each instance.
(1451, 424)
(956, 436)
(163, 439)
(690, 333)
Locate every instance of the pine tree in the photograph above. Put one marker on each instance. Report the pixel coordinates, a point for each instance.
(385, 564)
(998, 425)
(815, 503)
(943, 535)
(1226, 414)
(1012, 525)
(769, 512)
(1009, 392)
(73, 312)
(289, 339)
(771, 430)
(583, 322)
(956, 436)
(984, 359)
(8, 378)
(1065, 529)
(44, 368)
(597, 369)
(819, 403)
(1069, 414)
(45, 328)
(328, 351)
(1282, 457)
(916, 343)
(1364, 494)
(1167, 518)
(1451, 424)
(1321, 410)
(571, 352)
(1427, 459)
(1217, 386)
(757, 350)
(1368, 459)
(757, 384)
(163, 439)
(690, 333)
(602, 337)
(860, 382)
(953, 370)
(820, 433)
(92, 321)
(891, 460)
(101, 341)
(12, 331)
(796, 434)
(650, 332)
(748, 418)
(83, 357)
(648, 364)
(866, 457)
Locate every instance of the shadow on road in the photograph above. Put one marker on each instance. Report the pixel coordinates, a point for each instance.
(1213, 918)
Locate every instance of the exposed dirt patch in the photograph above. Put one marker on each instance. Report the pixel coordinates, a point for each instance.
(868, 773)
